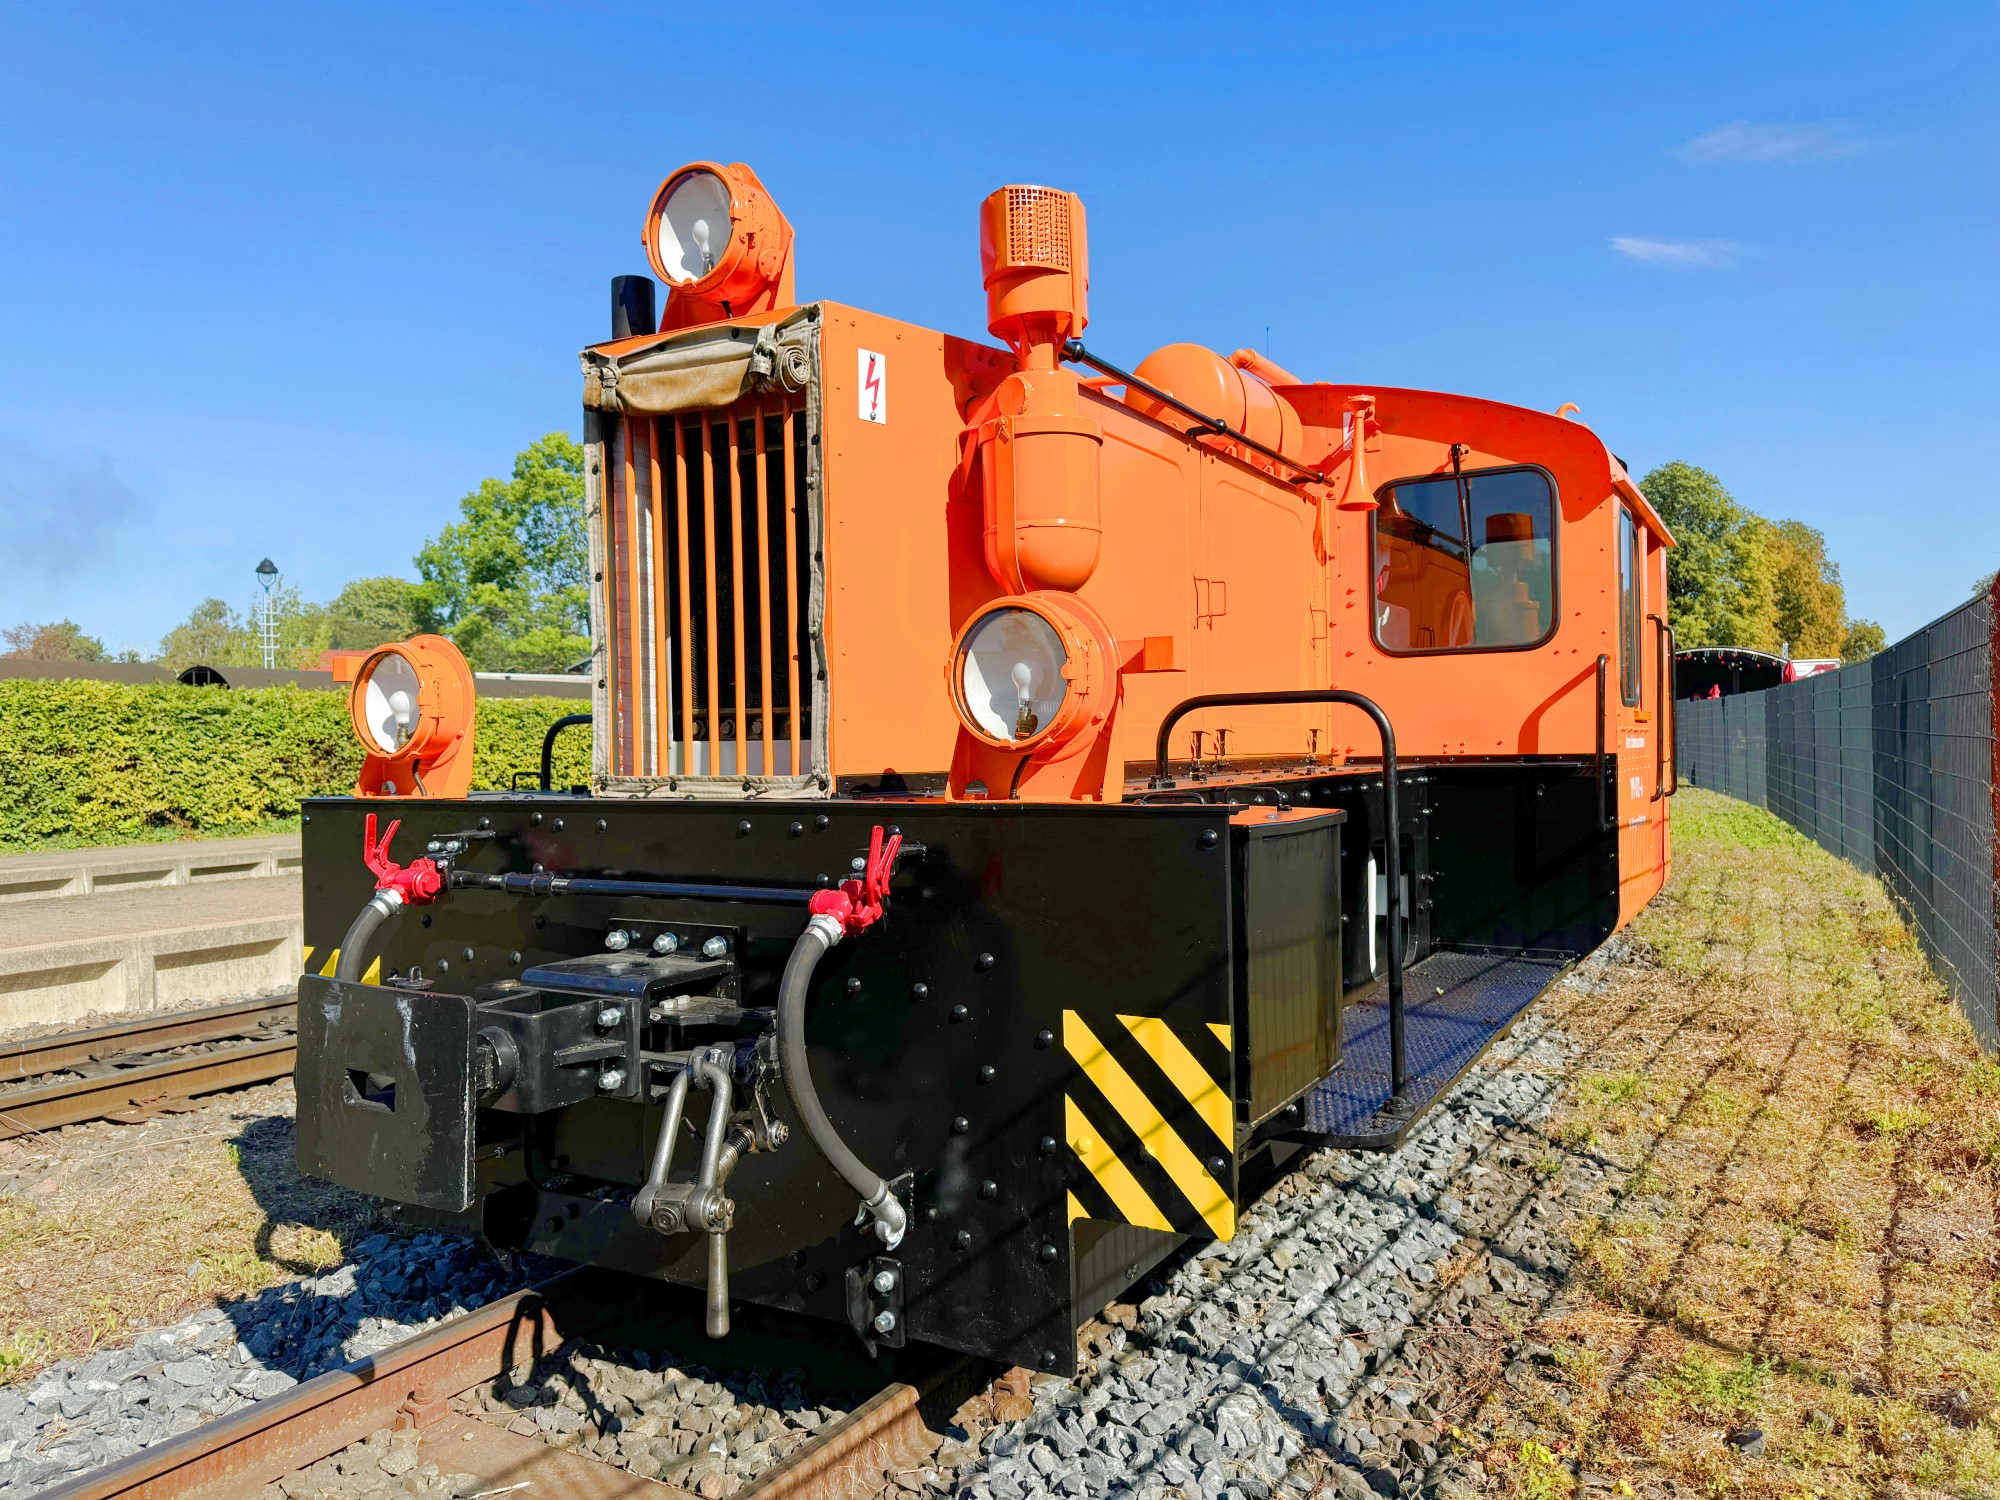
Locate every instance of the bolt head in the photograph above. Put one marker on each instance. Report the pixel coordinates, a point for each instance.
(885, 1282)
(665, 943)
(611, 1078)
(715, 947)
(959, 1125)
(617, 940)
(989, 1189)
(859, 862)
(964, 1238)
(610, 1016)
(885, 1321)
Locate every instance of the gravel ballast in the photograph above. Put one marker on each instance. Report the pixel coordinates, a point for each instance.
(83, 1414)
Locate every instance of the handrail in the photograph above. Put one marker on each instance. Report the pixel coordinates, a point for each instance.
(1074, 351)
(1673, 705)
(1391, 816)
(1660, 729)
(1603, 802)
(549, 747)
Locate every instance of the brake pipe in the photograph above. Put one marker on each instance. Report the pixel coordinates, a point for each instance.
(396, 887)
(543, 884)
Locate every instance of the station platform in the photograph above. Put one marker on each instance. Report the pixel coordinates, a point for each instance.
(81, 872)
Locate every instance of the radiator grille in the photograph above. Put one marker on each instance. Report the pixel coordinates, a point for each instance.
(708, 590)
(1038, 227)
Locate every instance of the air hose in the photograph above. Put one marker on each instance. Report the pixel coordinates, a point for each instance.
(821, 933)
(354, 948)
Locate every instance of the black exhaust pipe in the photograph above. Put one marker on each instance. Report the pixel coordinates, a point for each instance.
(632, 307)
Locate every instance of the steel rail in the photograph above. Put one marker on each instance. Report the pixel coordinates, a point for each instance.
(412, 1384)
(71, 1049)
(50, 1106)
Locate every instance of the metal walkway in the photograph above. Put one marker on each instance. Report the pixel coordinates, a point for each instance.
(1456, 1005)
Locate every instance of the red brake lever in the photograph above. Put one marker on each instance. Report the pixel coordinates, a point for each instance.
(857, 903)
(419, 885)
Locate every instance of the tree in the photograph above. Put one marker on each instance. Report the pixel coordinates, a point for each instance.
(60, 640)
(508, 582)
(1811, 615)
(1720, 579)
(212, 635)
(1863, 639)
(370, 612)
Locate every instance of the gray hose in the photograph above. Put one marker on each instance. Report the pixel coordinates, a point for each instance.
(821, 934)
(354, 947)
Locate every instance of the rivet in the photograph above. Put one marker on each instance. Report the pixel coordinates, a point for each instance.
(468, 955)
(485, 823)
(983, 962)
(444, 966)
(602, 825)
(796, 829)
(1044, 1038)
(964, 1238)
(930, 1213)
(1208, 837)
(920, 992)
(514, 957)
(427, 919)
(959, 1125)
(535, 818)
(854, 986)
(743, 827)
(1217, 1166)
(1048, 1359)
(989, 1188)
(986, 1072)
(1083, 1145)
(820, 821)
(558, 825)
(1048, 1145)
(1047, 1253)
(961, 1011)
(540, 920)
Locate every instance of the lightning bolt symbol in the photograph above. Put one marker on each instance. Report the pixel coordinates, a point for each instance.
(873, 385)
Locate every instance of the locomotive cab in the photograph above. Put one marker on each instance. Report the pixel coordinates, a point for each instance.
(1031, 800)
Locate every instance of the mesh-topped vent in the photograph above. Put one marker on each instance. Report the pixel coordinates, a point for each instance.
(1038, 227)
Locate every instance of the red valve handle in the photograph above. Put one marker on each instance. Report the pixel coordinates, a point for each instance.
(857, 903)
(419, 885)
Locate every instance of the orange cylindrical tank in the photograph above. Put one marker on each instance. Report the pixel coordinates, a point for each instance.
(1217, 387)
(1038, 470)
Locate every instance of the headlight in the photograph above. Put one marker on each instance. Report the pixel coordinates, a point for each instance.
(389, 698)
(1010, 674)
(690, 226)
(412, 706)
(1032, 671)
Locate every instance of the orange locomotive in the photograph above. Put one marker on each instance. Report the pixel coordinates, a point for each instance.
(1148, 731)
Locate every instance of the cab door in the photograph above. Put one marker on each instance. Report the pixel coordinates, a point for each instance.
(1640, 713)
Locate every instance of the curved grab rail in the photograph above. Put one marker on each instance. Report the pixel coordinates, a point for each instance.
(1391, 817)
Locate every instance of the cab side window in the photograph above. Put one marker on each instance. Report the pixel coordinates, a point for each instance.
(1631, 609)
(1465, 562)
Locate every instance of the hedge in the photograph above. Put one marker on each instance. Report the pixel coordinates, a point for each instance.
(100, 762)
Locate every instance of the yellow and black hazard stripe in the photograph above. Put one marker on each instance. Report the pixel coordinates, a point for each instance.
(323, 961)
(1150, 1123)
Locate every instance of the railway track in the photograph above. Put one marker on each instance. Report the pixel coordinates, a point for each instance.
(412, 1386)
(138, 1068)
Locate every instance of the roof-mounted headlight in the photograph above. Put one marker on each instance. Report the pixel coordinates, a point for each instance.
(717, 239)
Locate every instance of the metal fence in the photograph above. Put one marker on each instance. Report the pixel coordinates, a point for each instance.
(1888, 763)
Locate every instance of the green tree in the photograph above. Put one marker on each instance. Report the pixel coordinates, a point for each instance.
(59, 640)
(370, 612)
(508, 582)
(1721, 583)
(1811, 604)
(1863, 639)
(213, 635)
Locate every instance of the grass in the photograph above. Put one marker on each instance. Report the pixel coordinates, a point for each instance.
(166, 833)
(106, 1228)
(1802, 1237)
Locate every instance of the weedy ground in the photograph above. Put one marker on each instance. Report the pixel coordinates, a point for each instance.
(106, 1228)
(1802, 1240)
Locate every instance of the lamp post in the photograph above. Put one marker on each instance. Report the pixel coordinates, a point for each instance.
(267, 615)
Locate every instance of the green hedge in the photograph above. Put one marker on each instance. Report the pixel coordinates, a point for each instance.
(102, 762)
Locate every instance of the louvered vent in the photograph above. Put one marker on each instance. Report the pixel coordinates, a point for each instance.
(1038, 227)
(708, 591)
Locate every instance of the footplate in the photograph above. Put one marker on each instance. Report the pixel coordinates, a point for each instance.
(386, 1091)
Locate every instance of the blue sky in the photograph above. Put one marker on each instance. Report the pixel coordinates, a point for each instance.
(285, 281)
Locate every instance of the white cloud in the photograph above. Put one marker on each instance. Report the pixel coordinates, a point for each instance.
(1772, 145)
(1684, 254)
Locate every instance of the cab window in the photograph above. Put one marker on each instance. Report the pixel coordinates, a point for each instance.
(1630, 608)
(1465, 562)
